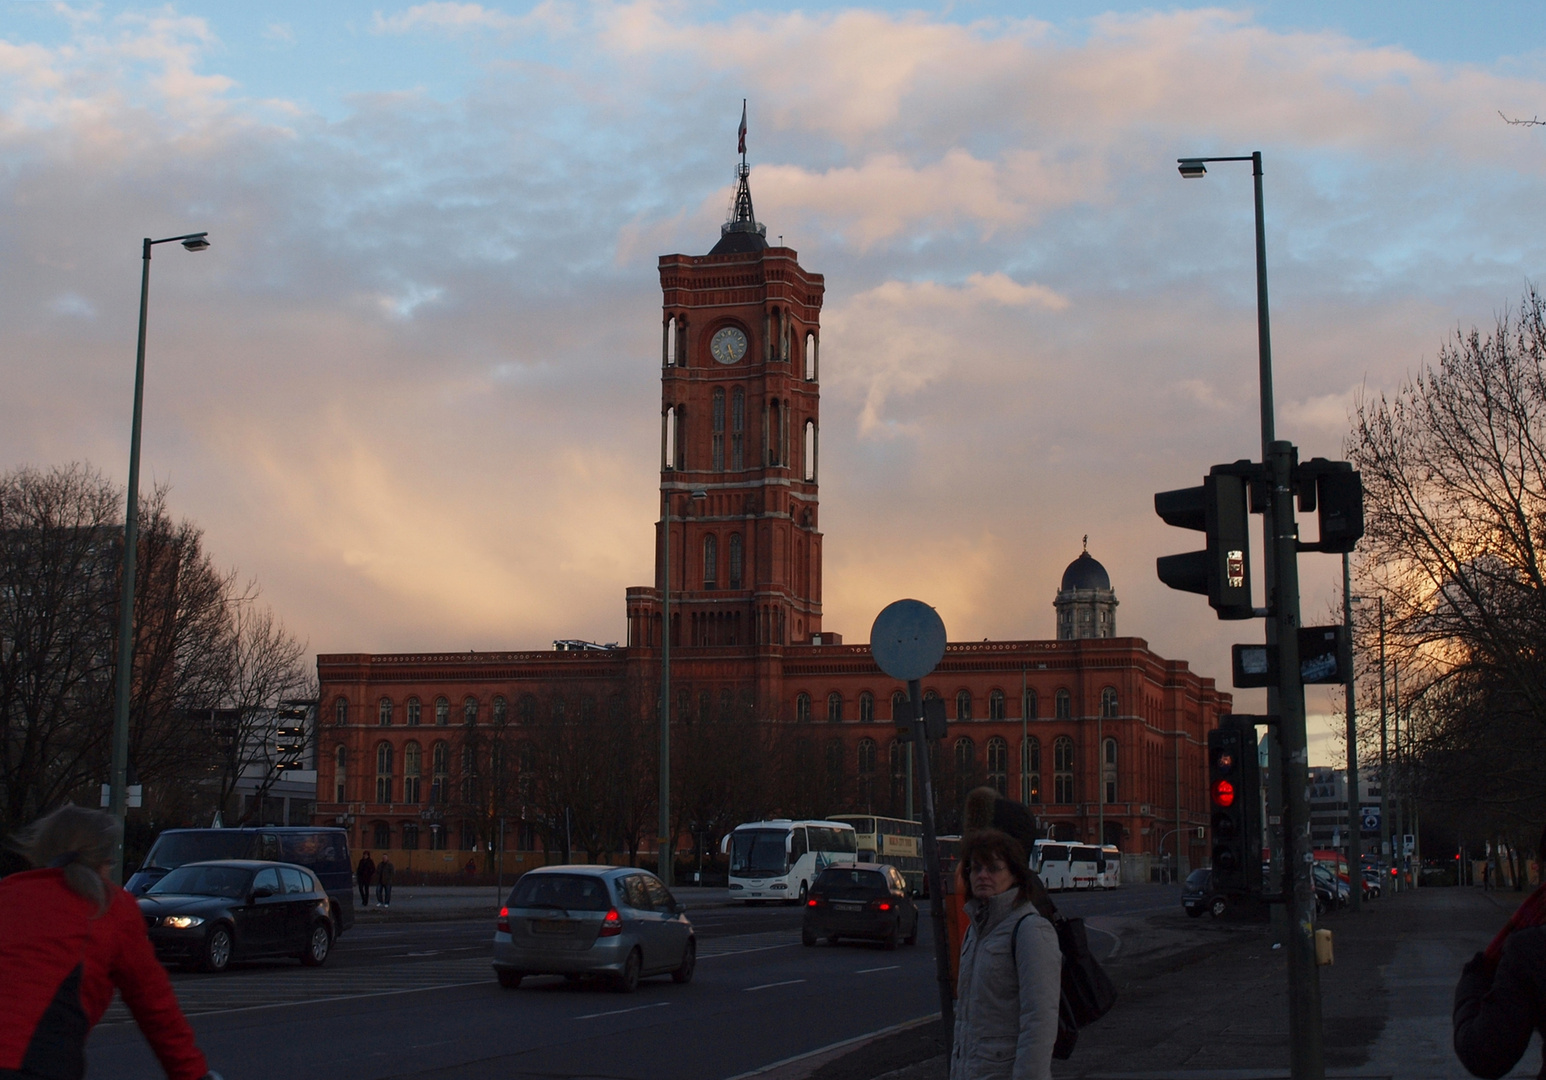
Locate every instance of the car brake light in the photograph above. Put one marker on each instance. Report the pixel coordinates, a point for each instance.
(814, 901)
(880, 905)
(504, 921)
(612, 925)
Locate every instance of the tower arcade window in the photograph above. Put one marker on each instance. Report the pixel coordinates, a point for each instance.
(1063, 770)
(736, 560)
(341, 711)
(772, 435)
(710, 560)
(718, 434)
(340, 773)
(810, 356)
(673, 452)
(738, 429)
(673, 341)
(1108, 703)
(810, 450)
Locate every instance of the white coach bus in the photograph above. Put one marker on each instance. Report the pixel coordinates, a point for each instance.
(1065, 865)
(778, 860)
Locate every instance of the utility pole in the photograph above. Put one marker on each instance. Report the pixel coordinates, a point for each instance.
(1354, 803)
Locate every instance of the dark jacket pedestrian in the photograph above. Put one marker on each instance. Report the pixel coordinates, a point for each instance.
(68, 938)
(364, 874)
(1501, 999)
(1010, 980)
(385, 872)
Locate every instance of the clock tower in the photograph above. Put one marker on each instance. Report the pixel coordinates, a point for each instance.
(740, 397)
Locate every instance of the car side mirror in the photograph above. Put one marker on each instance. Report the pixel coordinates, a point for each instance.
(261, 894)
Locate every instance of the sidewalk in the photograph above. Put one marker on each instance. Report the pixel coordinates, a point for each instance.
(1201, 1000)
(429, 903)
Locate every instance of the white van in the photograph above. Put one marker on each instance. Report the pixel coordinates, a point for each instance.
(1063, 865)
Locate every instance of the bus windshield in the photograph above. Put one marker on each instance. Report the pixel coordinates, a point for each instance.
(756, 852)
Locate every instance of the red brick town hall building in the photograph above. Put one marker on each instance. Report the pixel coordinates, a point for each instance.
(1102, 736)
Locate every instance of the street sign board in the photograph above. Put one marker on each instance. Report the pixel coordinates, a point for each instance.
(907, 639)
(1371, 819)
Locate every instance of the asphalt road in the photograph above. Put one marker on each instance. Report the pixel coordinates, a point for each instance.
(419, 1000)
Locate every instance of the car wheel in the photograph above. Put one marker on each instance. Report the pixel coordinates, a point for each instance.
(217, 949)
(807, 936)
(317, 946)
(507, 978)
(628, 981)
(683, 972)
(804, 893)
(1218, 906)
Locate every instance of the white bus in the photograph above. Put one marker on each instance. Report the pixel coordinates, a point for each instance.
(1111, 867)
(778, 860)
(1062, 864)
(896, 841)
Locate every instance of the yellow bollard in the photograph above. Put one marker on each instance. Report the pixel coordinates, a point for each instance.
(1323, 955)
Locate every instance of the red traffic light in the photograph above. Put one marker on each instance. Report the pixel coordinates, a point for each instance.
(1223, 793)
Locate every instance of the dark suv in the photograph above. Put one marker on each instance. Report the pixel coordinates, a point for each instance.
(1198, 895)
(860, 900)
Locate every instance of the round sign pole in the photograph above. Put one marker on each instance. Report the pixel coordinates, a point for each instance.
(908, 642)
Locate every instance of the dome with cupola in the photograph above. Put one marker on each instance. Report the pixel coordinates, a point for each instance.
(1086, 604)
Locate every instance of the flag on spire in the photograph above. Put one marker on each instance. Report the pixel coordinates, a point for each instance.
(741, 133)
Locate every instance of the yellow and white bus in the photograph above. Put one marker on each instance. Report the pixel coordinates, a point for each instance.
(895, 841)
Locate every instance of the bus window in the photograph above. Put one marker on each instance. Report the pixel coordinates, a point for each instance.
(834, 841)
(758, 852)
(797, 845)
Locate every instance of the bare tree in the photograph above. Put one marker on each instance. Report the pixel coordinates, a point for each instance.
(1454, 470)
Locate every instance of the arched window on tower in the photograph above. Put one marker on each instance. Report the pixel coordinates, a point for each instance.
(737, 561)
(1108, 770)
(340, 773)
(738, 429)
(710, 561)
(998, 765)
(1063, 770)
(810, 450)
(341, 711)
(1108, 703)
(673, 454)
(770, 436)
(1064, 705)
(810, 357)
(1030, 770)
(718, 433)
(668, 342)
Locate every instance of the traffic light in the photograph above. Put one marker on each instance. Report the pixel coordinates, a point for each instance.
(289, 747)
(1234, 793)
(1222, 570)
(934, 724)
(1334, 490)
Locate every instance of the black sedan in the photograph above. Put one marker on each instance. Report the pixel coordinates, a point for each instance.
(1198, 895)
(207, 914)
(860, 900)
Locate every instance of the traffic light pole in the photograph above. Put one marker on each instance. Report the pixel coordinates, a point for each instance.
(1306, 1059)
(942, 942)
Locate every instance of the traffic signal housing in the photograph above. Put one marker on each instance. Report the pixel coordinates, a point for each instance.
(1234, 800)
(1222, 570)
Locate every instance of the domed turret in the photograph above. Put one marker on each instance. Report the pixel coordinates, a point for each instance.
(1086, 605)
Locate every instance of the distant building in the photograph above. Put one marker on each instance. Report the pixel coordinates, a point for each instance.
(1088, 729)
(1328, 807)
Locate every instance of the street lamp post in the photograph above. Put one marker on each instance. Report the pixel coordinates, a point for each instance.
(665, 842)
(118, 792)
(1354, 803)
(1281, 574)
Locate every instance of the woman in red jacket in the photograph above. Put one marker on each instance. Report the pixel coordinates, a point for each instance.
(68, 936)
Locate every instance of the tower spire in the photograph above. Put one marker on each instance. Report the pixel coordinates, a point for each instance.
(742, 232)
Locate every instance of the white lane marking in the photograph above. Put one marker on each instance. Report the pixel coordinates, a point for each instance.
(857, 1039)
(769, 986)
(620, 1012)
(336, 997)
(866, 971)
(707, 955)
(432, 952)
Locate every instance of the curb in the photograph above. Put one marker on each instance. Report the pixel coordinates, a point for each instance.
(803, 1065)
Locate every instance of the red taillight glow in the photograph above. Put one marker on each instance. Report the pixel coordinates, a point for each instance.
(813, 902)
(881, 905)
(612, 925)
(1223, 793)
(504, 921)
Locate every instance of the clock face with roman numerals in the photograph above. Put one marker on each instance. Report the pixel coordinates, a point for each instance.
(728, 345)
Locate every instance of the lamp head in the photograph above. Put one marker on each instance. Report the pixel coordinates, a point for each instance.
(1192, 168)
(196, 243)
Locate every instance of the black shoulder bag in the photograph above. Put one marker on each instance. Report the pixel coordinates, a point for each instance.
(1087, 991)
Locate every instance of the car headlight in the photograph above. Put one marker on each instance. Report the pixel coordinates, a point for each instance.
(182, 922)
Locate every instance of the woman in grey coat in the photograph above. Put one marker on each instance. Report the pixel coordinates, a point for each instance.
(1011, 968)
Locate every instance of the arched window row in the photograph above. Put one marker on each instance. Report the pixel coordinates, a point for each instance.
(673, 441)
(673, 341)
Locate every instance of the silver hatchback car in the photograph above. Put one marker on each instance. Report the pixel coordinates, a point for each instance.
(613, 921)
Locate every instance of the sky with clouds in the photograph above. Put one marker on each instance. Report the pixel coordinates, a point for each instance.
(412, 387)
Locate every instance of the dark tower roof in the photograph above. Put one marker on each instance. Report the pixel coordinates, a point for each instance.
(741, 232)
(1085, 573)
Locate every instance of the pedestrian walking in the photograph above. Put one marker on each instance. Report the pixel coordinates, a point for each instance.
(384, 874)
(1011, 968)
(364, 873)
(68, 937)
(1501, 998)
